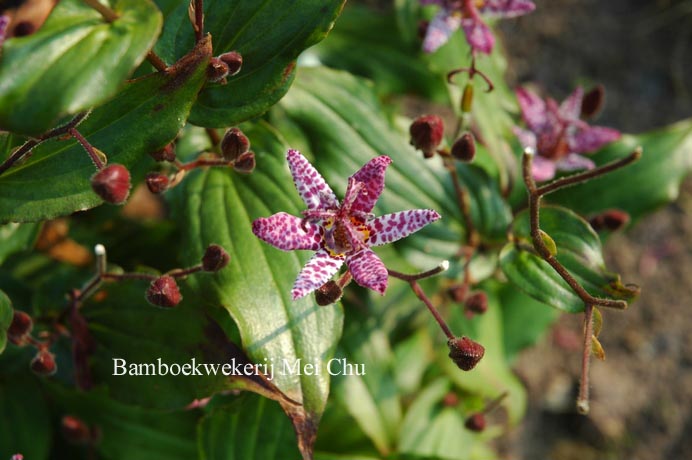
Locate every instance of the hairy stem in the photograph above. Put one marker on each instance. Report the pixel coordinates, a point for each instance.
(95, 157)
(583, 399)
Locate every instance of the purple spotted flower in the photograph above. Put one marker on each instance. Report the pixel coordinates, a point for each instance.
(339, 232)
(466, 14)
(557, 135)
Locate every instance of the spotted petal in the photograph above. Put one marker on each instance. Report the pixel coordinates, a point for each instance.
(593, 138)
(4, 22)
(442, 26)
(533, 109)
(311, 186)
(574, 162)
(317, 271)
(372, 177)
(542, 168)
(479, 35)
(368, 270)
(287, 232)
(507, 8)
(391, 227)
(570, 109)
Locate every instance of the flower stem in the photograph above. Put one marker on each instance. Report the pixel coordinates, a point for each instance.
(95, 157)
(583, 399)
(472, 238)
(158, 63)
(108, 14)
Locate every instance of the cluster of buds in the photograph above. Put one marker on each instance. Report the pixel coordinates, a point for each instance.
(19, 334)
(224, 66)
(475, 303)
(427, 134)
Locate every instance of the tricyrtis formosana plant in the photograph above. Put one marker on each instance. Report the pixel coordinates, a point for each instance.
(241, 178)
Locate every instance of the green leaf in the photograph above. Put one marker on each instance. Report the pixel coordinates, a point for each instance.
(16, 237)
(250, 428)
(6, 315)
(75, 61)
(55, 180)
(269, 35)
(342, 124)
(578, 250)
(218, 206)
(643, 186)
(131, 432)
(26, 423)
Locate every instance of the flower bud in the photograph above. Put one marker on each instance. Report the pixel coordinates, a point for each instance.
(328, 293)
(245, 163)
(44, 363)
(217, 70)
(234, 144)
(464, 148)
(233, 60)
(477, 303)
(20, 328)
(112, 183)
(24, 28)
(163, 292)
(75, 430)
(458, 292)
(592, 103)
(475, 422)
(215, 258)
(17, 457)
(611, 220)
(165, 154)
(157, 183)
(465, 352)
(426, 134)
(467, 98)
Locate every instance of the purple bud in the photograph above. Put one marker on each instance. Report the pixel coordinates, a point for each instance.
(43, 363)
(20, 328)
(426, 134)
(163, 292)
(112, 183)
(157, 183)
(165, 154)
(233, 60)
(477, 303)
(75, 430)
(234, 144)
(592, 103)
(215, 258)
(24, 28)
(611, 220)
(465, 352)
(328, 293)
(245, 163)
(217, 70)
(457, 292)
(464, 148)
(475, 422)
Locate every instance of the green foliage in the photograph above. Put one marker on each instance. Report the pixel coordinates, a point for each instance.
(6, 314)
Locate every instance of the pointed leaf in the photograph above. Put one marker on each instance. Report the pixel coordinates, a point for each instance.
(75, 61)
(268, 34)
(579, 251)
(55, 180)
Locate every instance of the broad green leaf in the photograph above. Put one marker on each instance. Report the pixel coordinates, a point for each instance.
(26, 420)
(131, 361)
(16, 237)
(578, 250)
(74, 62)
(269, 35)
(218, 206)
(342, 126)
(6, 314)
(643, 186)
(131, 432)
(250, 428)
(55, 180)
(388, 61)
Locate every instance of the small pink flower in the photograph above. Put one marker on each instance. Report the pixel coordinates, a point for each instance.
(466, 14)
(557, 135)
(339, 232)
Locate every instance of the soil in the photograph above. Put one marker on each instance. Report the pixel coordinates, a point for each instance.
(641, 405)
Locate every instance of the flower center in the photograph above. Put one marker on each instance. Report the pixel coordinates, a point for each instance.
(345, 235)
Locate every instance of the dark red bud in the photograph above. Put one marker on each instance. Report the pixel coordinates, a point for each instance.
(245, 163)
(475, 422)
(164, 292)
(422, 29)
(464, 148)
(450, 400)
(611, 220)
(112, 183)
(233, 60)
(477, 303)
(426, 134)
(465, 352)
(20, 328)
(458, 292)
(165, 154)
(75, 430)
(217, 70)
(328, 293)
(157, 183)
(234, 144)
(592, 103)
(44, 363)
(215, 258)
(24, 28)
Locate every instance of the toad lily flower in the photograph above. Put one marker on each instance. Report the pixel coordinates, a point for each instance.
(339, 232)
(557, 135)
(466, 14)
